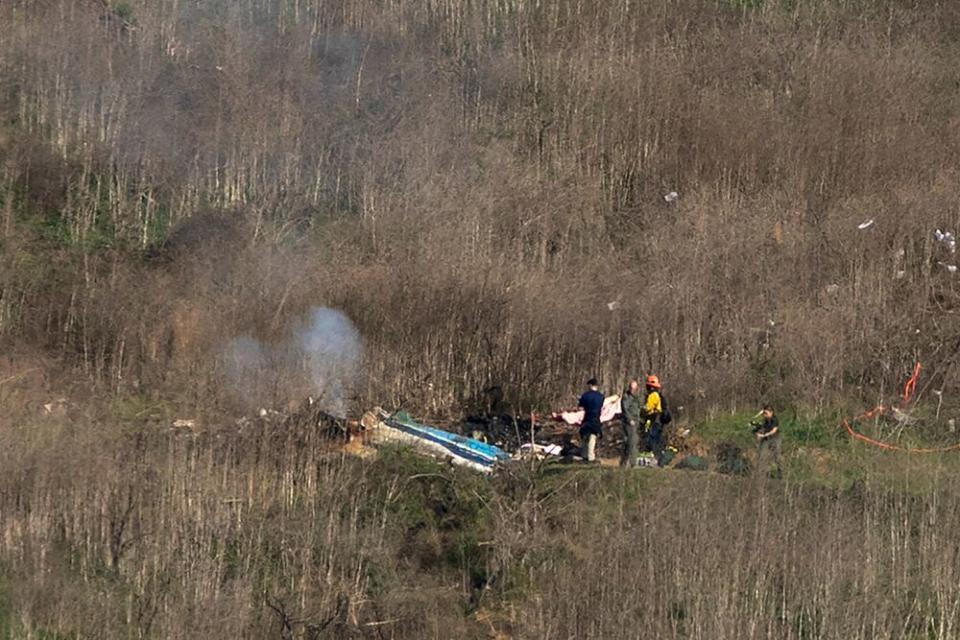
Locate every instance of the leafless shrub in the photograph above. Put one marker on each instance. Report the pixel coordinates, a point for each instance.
(471, 184)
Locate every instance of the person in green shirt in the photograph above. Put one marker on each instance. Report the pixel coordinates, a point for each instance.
(630, 415)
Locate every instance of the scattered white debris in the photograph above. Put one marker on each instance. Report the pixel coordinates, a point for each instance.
(833, 288)
(57, 407)
(952, 268)
(865, 225)
(646, 459)
(671, 197)
(613, 306)
(947, 238)
(541, 449)
(184, 424)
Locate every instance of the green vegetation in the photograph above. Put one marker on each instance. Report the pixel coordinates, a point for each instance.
(123, 11)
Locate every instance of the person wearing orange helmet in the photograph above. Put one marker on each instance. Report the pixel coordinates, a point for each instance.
(651, 413)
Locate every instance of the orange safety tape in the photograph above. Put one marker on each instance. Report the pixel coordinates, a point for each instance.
(910, 386)
(908, 390)
(894, 447)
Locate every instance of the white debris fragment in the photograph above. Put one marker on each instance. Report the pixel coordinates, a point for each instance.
(540, 450)
(646, 459)
(671, 197)
(865, 225)
(900, 274)
(613, 306)
(57, 407)
(833, 288)
(947, 238)
(902, 417)
(952, 268)
(184, 424)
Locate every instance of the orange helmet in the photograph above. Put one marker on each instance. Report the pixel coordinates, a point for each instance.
(653, 381)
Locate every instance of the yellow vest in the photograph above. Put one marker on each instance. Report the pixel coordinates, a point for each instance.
(654, 405)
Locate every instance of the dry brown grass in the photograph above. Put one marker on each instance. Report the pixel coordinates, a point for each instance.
(473, 183)
(266, 533)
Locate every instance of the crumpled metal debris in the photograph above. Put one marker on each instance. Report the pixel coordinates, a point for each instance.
(946, 238)
(539, 450)
(647, 459)
(673, 196)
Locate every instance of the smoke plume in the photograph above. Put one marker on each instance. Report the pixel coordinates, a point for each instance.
(321, 358)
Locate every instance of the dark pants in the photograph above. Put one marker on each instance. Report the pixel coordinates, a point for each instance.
(655, 440)
(629, 458)
(768, 452)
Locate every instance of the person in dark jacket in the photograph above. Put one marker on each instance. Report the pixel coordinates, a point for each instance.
(631, 405)
(590, 429)
(767, 431)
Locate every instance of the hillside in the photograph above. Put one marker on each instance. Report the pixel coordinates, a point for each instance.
(214, 210)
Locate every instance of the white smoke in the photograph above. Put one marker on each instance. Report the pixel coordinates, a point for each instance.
(331, 350)
(321, 357)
